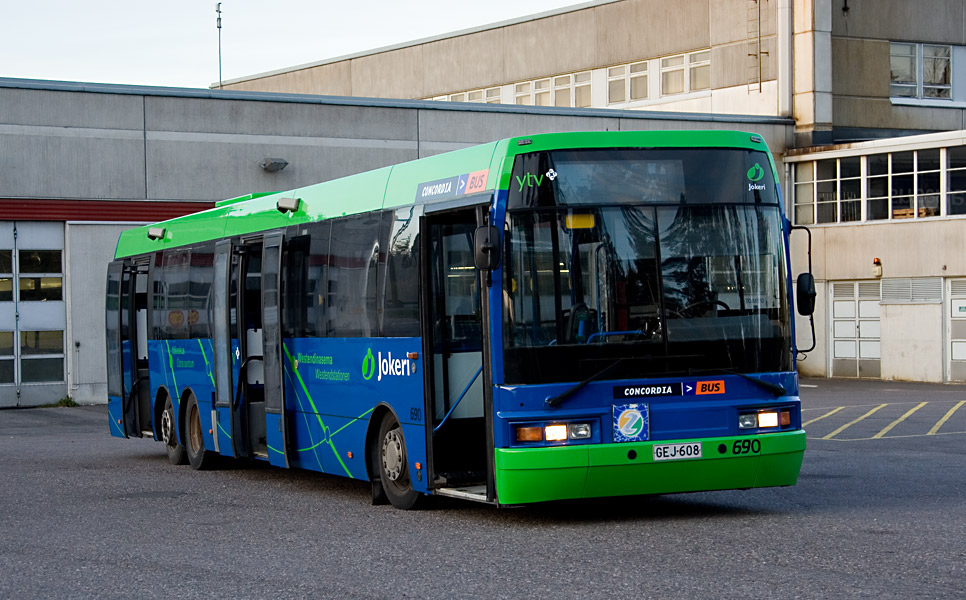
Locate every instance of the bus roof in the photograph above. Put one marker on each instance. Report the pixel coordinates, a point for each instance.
(438, 178)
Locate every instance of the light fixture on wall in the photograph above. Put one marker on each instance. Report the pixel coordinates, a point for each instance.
(876, 267)
(273, 165)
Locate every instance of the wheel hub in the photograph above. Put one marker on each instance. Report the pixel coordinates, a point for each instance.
(167, 427)
(392, 454)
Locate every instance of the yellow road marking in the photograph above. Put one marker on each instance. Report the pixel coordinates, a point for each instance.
(889, 427)
(945, 418)
(853, 422)
(893, 437)
(828, 414)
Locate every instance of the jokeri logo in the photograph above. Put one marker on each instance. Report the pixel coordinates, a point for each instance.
(755, 175)
(385, 367)
(368, 365)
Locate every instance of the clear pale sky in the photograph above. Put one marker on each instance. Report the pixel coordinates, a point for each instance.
(175, 42)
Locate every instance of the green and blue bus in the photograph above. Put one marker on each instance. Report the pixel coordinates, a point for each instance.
(554, 316)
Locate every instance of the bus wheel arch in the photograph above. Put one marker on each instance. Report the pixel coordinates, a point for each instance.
(192, 434)
(372, 453)
(167, 427)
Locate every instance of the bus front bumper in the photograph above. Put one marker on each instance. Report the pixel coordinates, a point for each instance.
(526, 475)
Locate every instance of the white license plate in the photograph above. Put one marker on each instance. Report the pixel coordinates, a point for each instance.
(677, 451)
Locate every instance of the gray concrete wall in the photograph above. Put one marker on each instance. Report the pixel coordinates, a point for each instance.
(90, 246)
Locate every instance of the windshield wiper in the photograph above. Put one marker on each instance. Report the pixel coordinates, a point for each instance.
(562, 397)
(775, 388)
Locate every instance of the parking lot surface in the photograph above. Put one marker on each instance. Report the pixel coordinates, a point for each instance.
(879, 512)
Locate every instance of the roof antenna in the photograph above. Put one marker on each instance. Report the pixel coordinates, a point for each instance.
(218, 23)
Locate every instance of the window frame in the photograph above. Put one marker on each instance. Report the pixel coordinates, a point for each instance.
(918, 86)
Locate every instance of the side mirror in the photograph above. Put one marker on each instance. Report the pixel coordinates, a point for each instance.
(805, 294)
(486, 247)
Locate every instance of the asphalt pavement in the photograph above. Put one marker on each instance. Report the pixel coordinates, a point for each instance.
(879, 512)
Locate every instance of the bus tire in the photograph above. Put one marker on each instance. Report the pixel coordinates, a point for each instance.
(198, 457)
(169, 436)
(393, 464)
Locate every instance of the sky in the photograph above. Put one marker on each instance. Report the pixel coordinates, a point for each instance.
(175, 42)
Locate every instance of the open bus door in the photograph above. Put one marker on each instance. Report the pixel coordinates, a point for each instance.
(248, 348)
(459, 402)
(127, 348)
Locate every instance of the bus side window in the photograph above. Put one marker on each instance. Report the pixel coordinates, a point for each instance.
(401, 290)
(201, 276)
(356, 254)
(298, 291)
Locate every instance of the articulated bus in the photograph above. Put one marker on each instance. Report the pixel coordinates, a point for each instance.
(546, 317)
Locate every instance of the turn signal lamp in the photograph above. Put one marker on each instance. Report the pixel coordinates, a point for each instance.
(785, 418)
(767, 419)
(529, 434)
(556, 433)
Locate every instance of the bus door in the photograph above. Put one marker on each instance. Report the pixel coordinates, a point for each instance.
(128, 348)
(453, 332)
(247, 347)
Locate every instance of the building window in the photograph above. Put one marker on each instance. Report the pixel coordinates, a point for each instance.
(686, 73)
(541, 92)
(572, 89)
(850, 188)
(627, 83)
(894, 185)
(672, 75)
(955, 181)
(804, 193)
(699, 69)
(920, 71)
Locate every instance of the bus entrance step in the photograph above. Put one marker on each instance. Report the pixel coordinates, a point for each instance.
(460, 478)
(476, 493)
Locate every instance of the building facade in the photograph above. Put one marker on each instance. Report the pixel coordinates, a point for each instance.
(877, 91)
(82, 162)
(863, 103)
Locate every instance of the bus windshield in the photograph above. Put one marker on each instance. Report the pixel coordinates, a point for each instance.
(665, 261)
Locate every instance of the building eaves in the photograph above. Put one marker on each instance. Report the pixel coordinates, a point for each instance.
(201, 93)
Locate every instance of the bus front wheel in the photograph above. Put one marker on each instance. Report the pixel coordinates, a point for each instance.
(194, 439)
(175, 450)
(394, 464)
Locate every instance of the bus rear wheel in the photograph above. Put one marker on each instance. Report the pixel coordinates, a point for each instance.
(198, 457)
(394, 464)
(169, 436)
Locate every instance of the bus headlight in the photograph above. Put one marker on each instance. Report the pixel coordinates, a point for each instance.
(767, 419)
(579, 431)
(555, 433)
(748, 421)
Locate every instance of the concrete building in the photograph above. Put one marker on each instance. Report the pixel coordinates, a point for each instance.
(871, 86)
(862, 102)
(82, 162)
